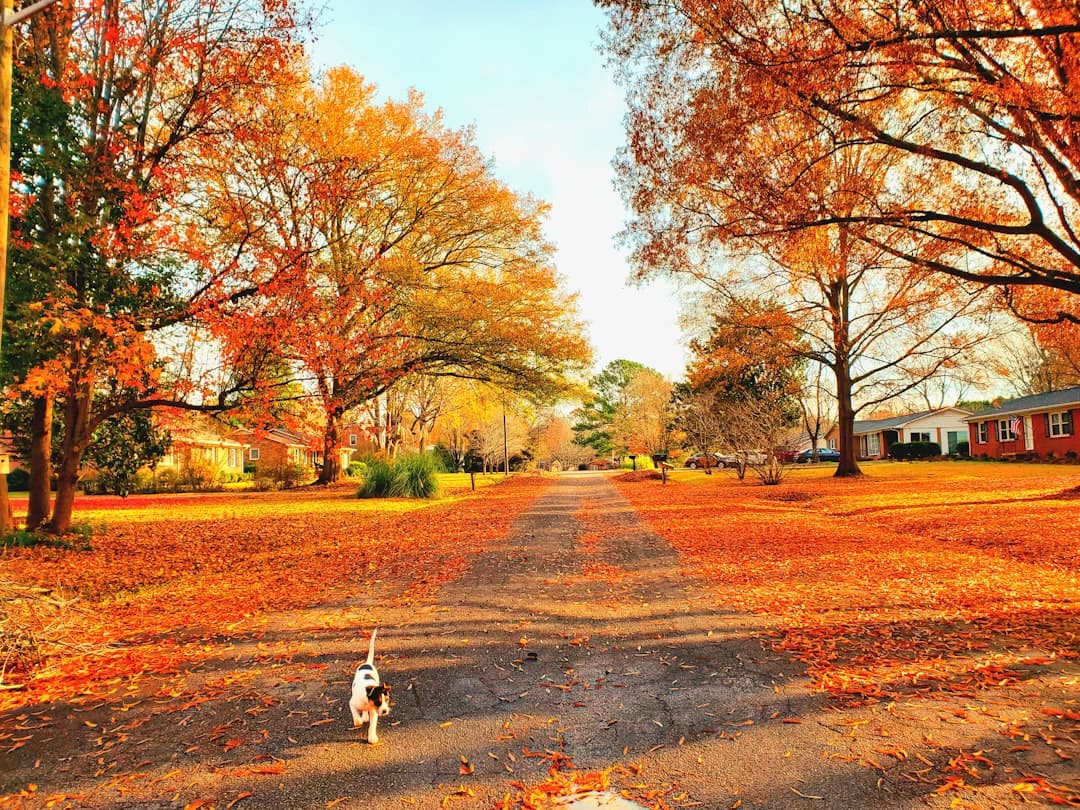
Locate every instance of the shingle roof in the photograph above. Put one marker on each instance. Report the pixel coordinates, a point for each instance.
(1034, 402)
(874, 425)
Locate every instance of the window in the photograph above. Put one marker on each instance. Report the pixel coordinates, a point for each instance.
(916, 436)
(1059, 424)
(253, 453)
(353, 438)
(873, 444)
(982, 433)
(1004, 432)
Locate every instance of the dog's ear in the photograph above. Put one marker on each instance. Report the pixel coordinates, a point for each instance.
(386, 688)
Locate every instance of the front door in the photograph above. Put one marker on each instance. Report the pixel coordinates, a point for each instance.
(1029, 435)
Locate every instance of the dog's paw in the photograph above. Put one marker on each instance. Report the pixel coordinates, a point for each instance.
(374, 741)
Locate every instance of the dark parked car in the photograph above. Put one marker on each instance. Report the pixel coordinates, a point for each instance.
(823, 454)
(704, 461)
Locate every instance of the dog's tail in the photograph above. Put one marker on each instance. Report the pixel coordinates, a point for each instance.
(371, 648)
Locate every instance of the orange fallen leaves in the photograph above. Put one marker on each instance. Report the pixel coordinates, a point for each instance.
(164, 587)
(882, 590)
(915, 581)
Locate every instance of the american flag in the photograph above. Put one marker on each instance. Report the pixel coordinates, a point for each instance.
(1016, 425)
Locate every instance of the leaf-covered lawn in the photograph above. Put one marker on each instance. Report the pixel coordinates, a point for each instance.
(921, 581)
(171, 575)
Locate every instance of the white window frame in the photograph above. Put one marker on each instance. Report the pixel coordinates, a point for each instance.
(253, 453)
(916, 436)
(873, 444)
(353, 440)
(1004, 433)
(1060, 424)
(982, 433)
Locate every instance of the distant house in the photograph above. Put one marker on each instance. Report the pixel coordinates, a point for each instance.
(945, 426)
(1041, 425)
(276, 448)
(194, 445)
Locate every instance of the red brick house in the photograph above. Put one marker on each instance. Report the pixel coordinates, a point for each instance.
(277, 448)
(1042, 425)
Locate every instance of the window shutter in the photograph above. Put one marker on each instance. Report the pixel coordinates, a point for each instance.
(1046, 424)
(1067, 423)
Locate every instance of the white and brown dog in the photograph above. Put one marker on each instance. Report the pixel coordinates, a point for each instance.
(370, 696)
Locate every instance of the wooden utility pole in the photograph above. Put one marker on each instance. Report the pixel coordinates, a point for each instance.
(8, 20)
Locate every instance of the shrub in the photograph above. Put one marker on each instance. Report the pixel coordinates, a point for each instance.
(199, 476)
(411, 476)
(415, 476)
(355, 469)
(377, 479)
(914, 450)
(18, 480)
(963, 449)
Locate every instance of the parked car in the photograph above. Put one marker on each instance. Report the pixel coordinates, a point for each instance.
(704, 461)
(823, 454)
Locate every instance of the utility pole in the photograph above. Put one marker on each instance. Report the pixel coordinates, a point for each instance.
(8, 19)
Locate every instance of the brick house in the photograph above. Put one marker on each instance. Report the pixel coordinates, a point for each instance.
(944, 426)
(276, 448)
(1041, 425)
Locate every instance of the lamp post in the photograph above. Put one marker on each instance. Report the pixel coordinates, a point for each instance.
(8, 19)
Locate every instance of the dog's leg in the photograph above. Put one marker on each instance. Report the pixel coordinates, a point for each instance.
(357, 715)
(372, 732)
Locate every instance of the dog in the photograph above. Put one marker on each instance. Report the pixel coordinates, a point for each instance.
(370, 696)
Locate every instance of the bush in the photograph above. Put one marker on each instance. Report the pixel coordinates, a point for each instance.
(377, 479)
(18, 480)
(963, 449)
(412, 476)
(355, 469)
(415, 476)
(903, 451)
(286, 476)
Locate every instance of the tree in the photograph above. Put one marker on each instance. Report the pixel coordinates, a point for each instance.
(412, 259)
(554, 439)
(706, 180)
(971, 103)
(130, 93)
(697, 415)
(627, 407)
(122, 446)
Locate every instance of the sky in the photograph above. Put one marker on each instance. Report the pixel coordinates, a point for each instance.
(528, 76)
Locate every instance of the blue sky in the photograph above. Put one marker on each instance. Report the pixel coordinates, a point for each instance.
(528, 77)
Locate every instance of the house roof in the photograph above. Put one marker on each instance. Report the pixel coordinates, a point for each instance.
(893, 422)
(1035, 402)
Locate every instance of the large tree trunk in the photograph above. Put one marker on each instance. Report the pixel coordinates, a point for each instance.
(845, 422)
(77, 436)
(331, 468)
(839, 299)
(37, 513)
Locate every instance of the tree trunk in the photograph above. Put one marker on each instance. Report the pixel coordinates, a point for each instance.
(845, 422)
(40, 485)
(77, 436)
(331, 468)
(839, 299)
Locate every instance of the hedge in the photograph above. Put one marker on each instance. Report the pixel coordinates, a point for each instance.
(903, 451)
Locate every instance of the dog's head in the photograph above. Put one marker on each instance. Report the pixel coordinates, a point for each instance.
(379, 697)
